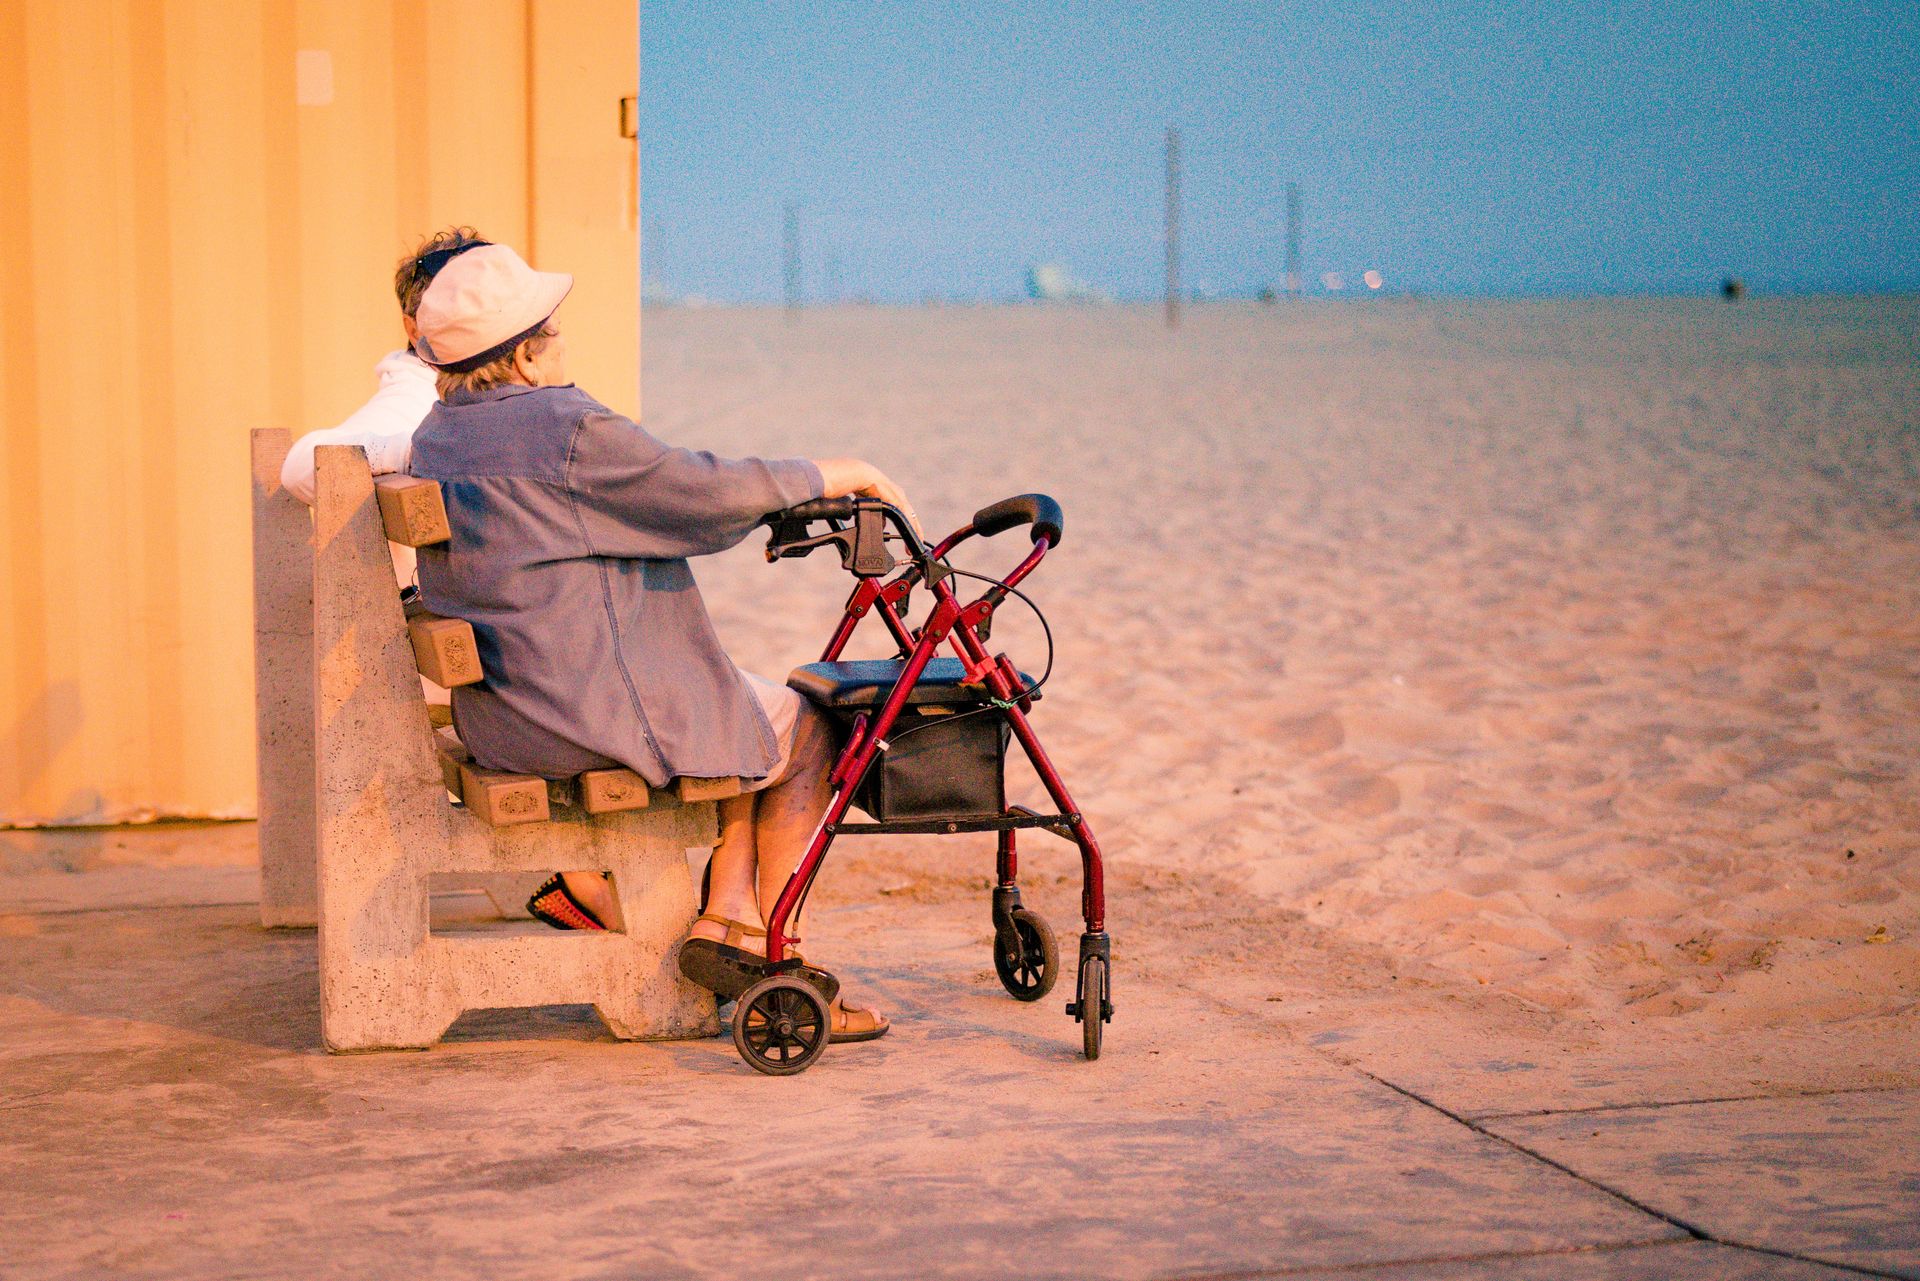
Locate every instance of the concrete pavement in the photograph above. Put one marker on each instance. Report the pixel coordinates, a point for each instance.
(165, 1111)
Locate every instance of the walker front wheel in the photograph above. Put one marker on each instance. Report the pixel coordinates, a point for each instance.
(1090, 1003)
(781, 1025)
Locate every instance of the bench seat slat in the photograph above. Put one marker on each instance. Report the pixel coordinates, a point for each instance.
(608, 791)
(708, 789)
(501, 799)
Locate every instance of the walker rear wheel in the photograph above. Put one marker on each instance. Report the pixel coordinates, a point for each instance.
(1028, 963)
(781, 1025)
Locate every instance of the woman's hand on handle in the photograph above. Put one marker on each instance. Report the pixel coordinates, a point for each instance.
(851, 476)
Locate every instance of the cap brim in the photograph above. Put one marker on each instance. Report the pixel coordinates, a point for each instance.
(554, 286)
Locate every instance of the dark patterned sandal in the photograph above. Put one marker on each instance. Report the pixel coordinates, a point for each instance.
(555, 904)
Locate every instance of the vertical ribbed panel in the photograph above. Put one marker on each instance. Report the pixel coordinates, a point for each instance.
(191, 253)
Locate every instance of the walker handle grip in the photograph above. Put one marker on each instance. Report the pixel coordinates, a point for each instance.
(1025, 509)
(820, 509)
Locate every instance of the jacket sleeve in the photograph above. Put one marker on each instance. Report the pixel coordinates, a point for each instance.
(638, 498)
(383, 427)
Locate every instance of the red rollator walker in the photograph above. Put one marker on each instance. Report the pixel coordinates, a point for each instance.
(925, 748)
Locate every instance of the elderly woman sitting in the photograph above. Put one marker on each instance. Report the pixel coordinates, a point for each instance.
(572, 528)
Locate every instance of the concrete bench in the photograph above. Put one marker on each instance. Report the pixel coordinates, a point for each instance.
(376, 826)
(283, 714)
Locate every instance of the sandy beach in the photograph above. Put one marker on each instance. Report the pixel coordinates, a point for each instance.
(1499, 718)
(1485, 641)
(1565, 648)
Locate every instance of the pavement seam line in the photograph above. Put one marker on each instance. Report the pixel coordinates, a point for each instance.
(1374, 1265)
(1698, 1233)
(1469, 1123)
(141, 907)
(1688, 1103)
(1776, 1252)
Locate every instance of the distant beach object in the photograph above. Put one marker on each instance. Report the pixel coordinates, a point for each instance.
(1173, 227)
(1733, 289)
(790, 260)
(1293, 238)
(1267, 295)
(1373, 279)
(1333, 282)
(655, 294)
(1052, 282)
(830, 291)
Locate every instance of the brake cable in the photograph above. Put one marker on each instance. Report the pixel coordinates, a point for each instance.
(993, 704)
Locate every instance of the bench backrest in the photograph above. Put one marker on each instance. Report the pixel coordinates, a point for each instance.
(413, 512)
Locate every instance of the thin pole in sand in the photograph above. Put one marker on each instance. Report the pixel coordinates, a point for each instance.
(1173, 227)
(1293, 238)
(790, 260)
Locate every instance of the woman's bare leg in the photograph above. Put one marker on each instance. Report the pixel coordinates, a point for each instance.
(764, 834)
(790, 810)
(763, 837)
(732, 890)
(786, 818)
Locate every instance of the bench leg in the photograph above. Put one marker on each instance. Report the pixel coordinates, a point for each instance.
(283, 685)
(380, 802)
(658, 902)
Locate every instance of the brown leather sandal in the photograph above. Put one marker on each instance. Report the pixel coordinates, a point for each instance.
(737, 932)
(721, 965)
(855, 1023)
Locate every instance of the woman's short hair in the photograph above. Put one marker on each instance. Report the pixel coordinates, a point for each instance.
(417, 270)
(496, 373)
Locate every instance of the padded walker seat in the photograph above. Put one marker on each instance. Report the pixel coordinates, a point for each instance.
(864, 683)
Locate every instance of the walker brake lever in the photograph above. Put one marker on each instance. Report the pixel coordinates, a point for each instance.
(789, 538)
(863, 546)
(868, 556)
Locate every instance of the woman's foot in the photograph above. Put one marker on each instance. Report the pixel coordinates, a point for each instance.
(746, 935)
(573, 901)
(855, 1022)
(724, 955)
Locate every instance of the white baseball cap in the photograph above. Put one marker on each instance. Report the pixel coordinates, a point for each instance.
(481, 305)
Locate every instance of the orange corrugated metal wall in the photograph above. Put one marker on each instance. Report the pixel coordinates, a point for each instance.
(199, 226)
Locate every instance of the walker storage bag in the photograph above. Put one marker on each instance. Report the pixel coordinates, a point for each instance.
(940, 762)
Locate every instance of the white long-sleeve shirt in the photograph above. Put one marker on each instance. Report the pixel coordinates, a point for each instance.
(383, 426)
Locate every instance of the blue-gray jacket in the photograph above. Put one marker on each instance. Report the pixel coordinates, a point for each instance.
(571, 529)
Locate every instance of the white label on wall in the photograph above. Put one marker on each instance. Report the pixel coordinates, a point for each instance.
(313, 78)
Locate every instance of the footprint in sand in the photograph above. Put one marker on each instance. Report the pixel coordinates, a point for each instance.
(1314, 734)
(1687, 794)
(1509, 822)
(1368, 796)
